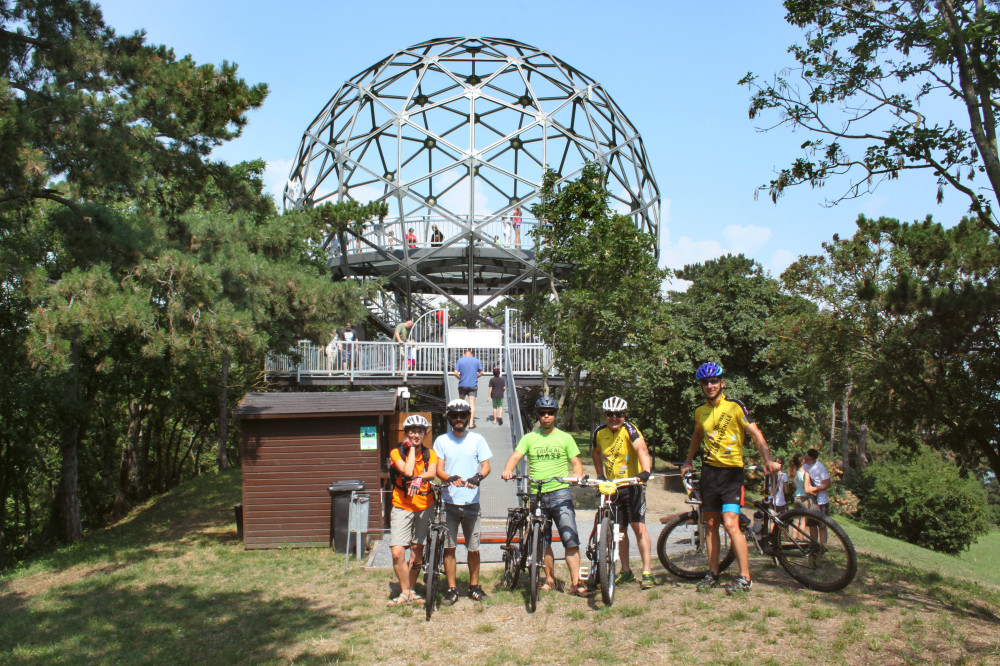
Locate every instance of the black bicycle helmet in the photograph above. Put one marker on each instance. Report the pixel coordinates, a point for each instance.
(546, 402)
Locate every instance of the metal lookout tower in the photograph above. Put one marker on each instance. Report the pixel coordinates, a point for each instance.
(454, 136)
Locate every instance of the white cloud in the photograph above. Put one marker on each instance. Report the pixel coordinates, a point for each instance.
(275, 176)
(746, 239)
(779, 261)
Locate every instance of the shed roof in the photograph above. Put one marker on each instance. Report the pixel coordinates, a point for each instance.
(304, 405)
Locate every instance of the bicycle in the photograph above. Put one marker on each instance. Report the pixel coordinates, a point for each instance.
(434, 553)
(683, 542)
(523, 548)
(794, 539)
(602, 548)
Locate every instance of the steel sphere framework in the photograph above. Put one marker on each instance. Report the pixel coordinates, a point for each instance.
(455, 134)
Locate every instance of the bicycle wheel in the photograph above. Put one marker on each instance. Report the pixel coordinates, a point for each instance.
(683, 550)
(515, 546)
(431, 564)
(606, 561)
(823, 567)
(536, 564)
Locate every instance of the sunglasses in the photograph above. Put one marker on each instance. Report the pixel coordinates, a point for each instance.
(615, 415)
(458, 415)
(546, 412)
(713, 380)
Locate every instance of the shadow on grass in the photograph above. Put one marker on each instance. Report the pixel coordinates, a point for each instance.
(885, 582)
(94, 622)
(197, 511)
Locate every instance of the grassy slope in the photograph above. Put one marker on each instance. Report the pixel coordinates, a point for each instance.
(172, 584)
(980, 563)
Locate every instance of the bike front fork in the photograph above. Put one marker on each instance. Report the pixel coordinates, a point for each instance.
(616, 536)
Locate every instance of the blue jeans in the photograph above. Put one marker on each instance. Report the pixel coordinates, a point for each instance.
(557, 506)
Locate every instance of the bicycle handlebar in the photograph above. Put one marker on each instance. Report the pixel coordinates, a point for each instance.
(628, 481)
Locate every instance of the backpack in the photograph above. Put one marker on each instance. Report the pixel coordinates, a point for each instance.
(395, 474)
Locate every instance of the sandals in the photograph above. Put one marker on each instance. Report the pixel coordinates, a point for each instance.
(404, 599)
(581, 591)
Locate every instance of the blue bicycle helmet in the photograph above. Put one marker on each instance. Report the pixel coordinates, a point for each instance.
(706, 370)
(546, 402)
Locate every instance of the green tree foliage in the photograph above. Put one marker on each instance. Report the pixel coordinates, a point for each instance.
(884, 85)
(730, 314)
(108, 114)
(924, 501)
(911, 308)
(141, 281)
(599, 313)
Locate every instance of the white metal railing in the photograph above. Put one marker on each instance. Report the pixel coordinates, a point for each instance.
(386, 358)
(500, 231)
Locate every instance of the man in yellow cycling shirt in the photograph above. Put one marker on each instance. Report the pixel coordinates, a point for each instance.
(723, 423)
(619, 451)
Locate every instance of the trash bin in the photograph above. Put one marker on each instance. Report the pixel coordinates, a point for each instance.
(340, 512)
(238, 510)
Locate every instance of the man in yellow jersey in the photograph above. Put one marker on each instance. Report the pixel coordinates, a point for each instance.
(619, 451)
(723, 424)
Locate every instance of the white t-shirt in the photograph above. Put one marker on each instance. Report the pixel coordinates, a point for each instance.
(778, 496)
(817, 474)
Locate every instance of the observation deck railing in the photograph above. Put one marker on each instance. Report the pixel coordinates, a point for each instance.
(391, 234)
(385, 359)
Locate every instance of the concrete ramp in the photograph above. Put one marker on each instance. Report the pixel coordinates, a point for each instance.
(496, 495)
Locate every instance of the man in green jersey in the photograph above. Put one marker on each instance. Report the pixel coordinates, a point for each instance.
(550, 453)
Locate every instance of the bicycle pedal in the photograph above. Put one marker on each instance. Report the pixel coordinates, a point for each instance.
(584, 571)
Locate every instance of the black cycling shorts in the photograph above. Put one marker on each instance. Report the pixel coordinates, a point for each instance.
(630, 502)
(721, 486)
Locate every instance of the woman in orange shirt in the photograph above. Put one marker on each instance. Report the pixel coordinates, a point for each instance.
(414, 465)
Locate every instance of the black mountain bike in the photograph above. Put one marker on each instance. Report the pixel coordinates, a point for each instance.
(434, 552)
(523, 549)
(810, 546)
(683, 542)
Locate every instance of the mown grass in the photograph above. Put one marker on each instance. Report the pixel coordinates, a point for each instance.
(172, 584)
(980, 563)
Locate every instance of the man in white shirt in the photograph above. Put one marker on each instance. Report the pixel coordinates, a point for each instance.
(820, 479)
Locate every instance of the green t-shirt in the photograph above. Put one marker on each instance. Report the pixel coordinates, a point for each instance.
(548, 456)
(404, 333)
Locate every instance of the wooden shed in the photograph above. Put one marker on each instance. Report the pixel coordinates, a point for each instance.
(295, 445)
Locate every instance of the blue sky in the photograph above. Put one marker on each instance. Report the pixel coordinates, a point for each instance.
(671, 66)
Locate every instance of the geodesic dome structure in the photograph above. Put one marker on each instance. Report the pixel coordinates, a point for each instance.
(454, 136)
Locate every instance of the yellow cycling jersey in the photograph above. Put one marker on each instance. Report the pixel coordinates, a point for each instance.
(618, 450)
(724, 426)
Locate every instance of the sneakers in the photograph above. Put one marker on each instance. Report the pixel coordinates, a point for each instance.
(476, 593)
(624, 577)
(647, 581)
(451, 596)
(709, 581)
(741, 584)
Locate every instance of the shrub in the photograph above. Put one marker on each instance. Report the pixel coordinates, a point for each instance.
(926, 502)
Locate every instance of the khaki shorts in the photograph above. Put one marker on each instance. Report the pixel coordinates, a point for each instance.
(408, 527)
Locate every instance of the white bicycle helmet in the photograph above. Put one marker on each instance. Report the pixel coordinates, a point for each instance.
(415, 421)
(614, 404)
(459, 405)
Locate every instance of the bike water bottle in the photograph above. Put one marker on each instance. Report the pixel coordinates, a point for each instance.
(758, 522)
